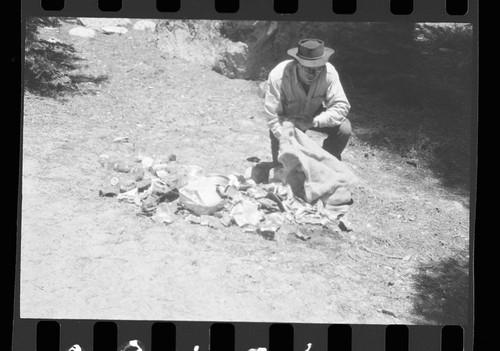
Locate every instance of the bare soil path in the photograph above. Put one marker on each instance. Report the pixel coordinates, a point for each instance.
(85, 256)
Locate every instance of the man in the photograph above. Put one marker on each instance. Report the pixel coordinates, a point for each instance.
(307, 92)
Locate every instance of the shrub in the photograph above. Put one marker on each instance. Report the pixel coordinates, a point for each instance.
(46, 63)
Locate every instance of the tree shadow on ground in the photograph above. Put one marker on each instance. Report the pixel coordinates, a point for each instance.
(54, 69)
(438, 141)
(442, 292)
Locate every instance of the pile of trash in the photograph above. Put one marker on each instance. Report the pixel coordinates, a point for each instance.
(255, 201)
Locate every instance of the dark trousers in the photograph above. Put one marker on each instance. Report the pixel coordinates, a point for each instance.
(335, 142)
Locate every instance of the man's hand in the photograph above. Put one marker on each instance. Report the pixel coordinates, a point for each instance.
(301, 123)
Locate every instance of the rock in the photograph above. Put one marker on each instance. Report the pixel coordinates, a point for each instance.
(232, 61)
(98, 23)
(145, 25)
(82, 32)
(114, 30)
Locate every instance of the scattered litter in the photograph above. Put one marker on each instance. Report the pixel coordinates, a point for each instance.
(160, 167)
(124, 139)
(165, 191)
(143, 185)
(149, 204)
(193, 172)
(165, 213)
(217, 180)
(253, 159)
(276, 199)
(226, 219)
(257, 192)
(390, 313)
(312, 220)
(301, 236)
(268, 205)
(159, 187)
(114, 181)
(268, 230)
(193, 219)
(200, 198)
(250, 228)
(109, 192)
(162, 174)
(275, 217)
(345, 225)
(245, 213)
(138, 174)
(147, 162)
(122, 166)
(130, 196)
(230, 192)
(205, 220)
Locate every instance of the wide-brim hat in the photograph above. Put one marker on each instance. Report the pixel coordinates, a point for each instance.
(311, 53)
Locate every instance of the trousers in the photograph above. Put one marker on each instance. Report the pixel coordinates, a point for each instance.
(335, 142)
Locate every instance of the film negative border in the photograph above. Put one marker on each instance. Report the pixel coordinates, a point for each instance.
(32, 334)
(313, 10)
(55, 335)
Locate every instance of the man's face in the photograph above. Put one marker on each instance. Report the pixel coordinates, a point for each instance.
(308, 75)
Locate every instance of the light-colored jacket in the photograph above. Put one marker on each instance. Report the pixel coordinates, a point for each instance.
(285, 97)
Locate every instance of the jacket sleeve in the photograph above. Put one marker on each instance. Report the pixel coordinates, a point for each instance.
(336, 103)
(273, 105)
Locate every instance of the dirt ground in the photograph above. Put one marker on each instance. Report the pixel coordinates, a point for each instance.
(89, 257)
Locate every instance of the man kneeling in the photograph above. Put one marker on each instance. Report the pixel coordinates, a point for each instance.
(307, 92)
